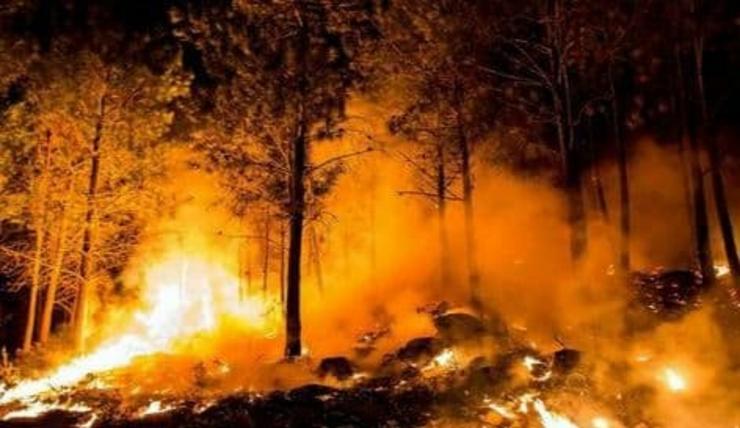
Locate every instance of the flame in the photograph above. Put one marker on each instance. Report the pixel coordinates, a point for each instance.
(445, 358)
(551, 419)
(502, 410)
(674, 380)
(36, 408)
(532, 363)
(600, 422)
(154, 408)
(721, 270)
(184, 295)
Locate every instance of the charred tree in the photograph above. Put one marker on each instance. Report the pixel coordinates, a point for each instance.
(698, 192)
(297, 213)
(624, 190)
(441, 201)
(297, 196)
(709, 137)
(266, 252)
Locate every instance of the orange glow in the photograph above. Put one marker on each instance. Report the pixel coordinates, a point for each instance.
(184, 295)
(551, 419)
(674, 380)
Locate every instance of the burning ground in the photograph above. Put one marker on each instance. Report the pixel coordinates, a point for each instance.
(198, 349)
(369, 213)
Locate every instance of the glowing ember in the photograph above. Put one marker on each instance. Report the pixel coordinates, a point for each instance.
(37, 408)
(90, 422)
(550, 419)
(502, 410)
(184, 296)
(721, 270)
(673, 380)
(530, 362)
(154, 408)
(445, 358)
(643, 358)
(600, 422)
(537, 368)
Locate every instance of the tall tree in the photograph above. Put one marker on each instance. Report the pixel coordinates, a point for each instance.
(281, 74)
(701, 11)
(433, 52)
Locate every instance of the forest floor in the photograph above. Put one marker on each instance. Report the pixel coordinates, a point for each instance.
(448, 380)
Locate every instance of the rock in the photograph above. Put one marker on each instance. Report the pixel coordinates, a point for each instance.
(420, 350)
(312, 392)
(565, 360)
(459, 326)
(339, 367)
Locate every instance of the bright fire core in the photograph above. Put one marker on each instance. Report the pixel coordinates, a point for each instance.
(184, 295)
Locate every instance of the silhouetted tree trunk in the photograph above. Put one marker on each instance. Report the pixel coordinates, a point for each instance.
(715, 165)
(87, 264)
(565, 127)
(679, 107)
(467, 185)
(624, 190)
(297, 204)
(441, 196)
(698, 193)
(266, 252)
(283, 232)
(597, 182)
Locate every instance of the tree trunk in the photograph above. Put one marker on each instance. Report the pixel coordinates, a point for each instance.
(282, 264)
(297, 204)
(467, 185)
(679, 106)
(54, 278)
(597, 182)
(624, 190)
(698, 193)
(565, 127)
(573, 181)
(40, 232)
(266, 254)
(715, 166)
(34, 290)
(87, 264)
(293, 347)
(444, 256)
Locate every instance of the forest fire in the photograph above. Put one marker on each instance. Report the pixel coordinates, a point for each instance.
(184, 296)
(369, 213)
(674, 380)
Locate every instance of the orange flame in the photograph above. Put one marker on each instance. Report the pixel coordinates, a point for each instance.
(184, 295)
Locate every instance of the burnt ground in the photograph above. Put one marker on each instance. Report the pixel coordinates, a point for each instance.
(403, 393)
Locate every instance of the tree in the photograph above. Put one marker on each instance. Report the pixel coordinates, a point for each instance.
(282, 74)
(536, 59)
(96, 128)
(701, 11)
(433, 51)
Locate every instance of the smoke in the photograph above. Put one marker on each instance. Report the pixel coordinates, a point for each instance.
(372, 259)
